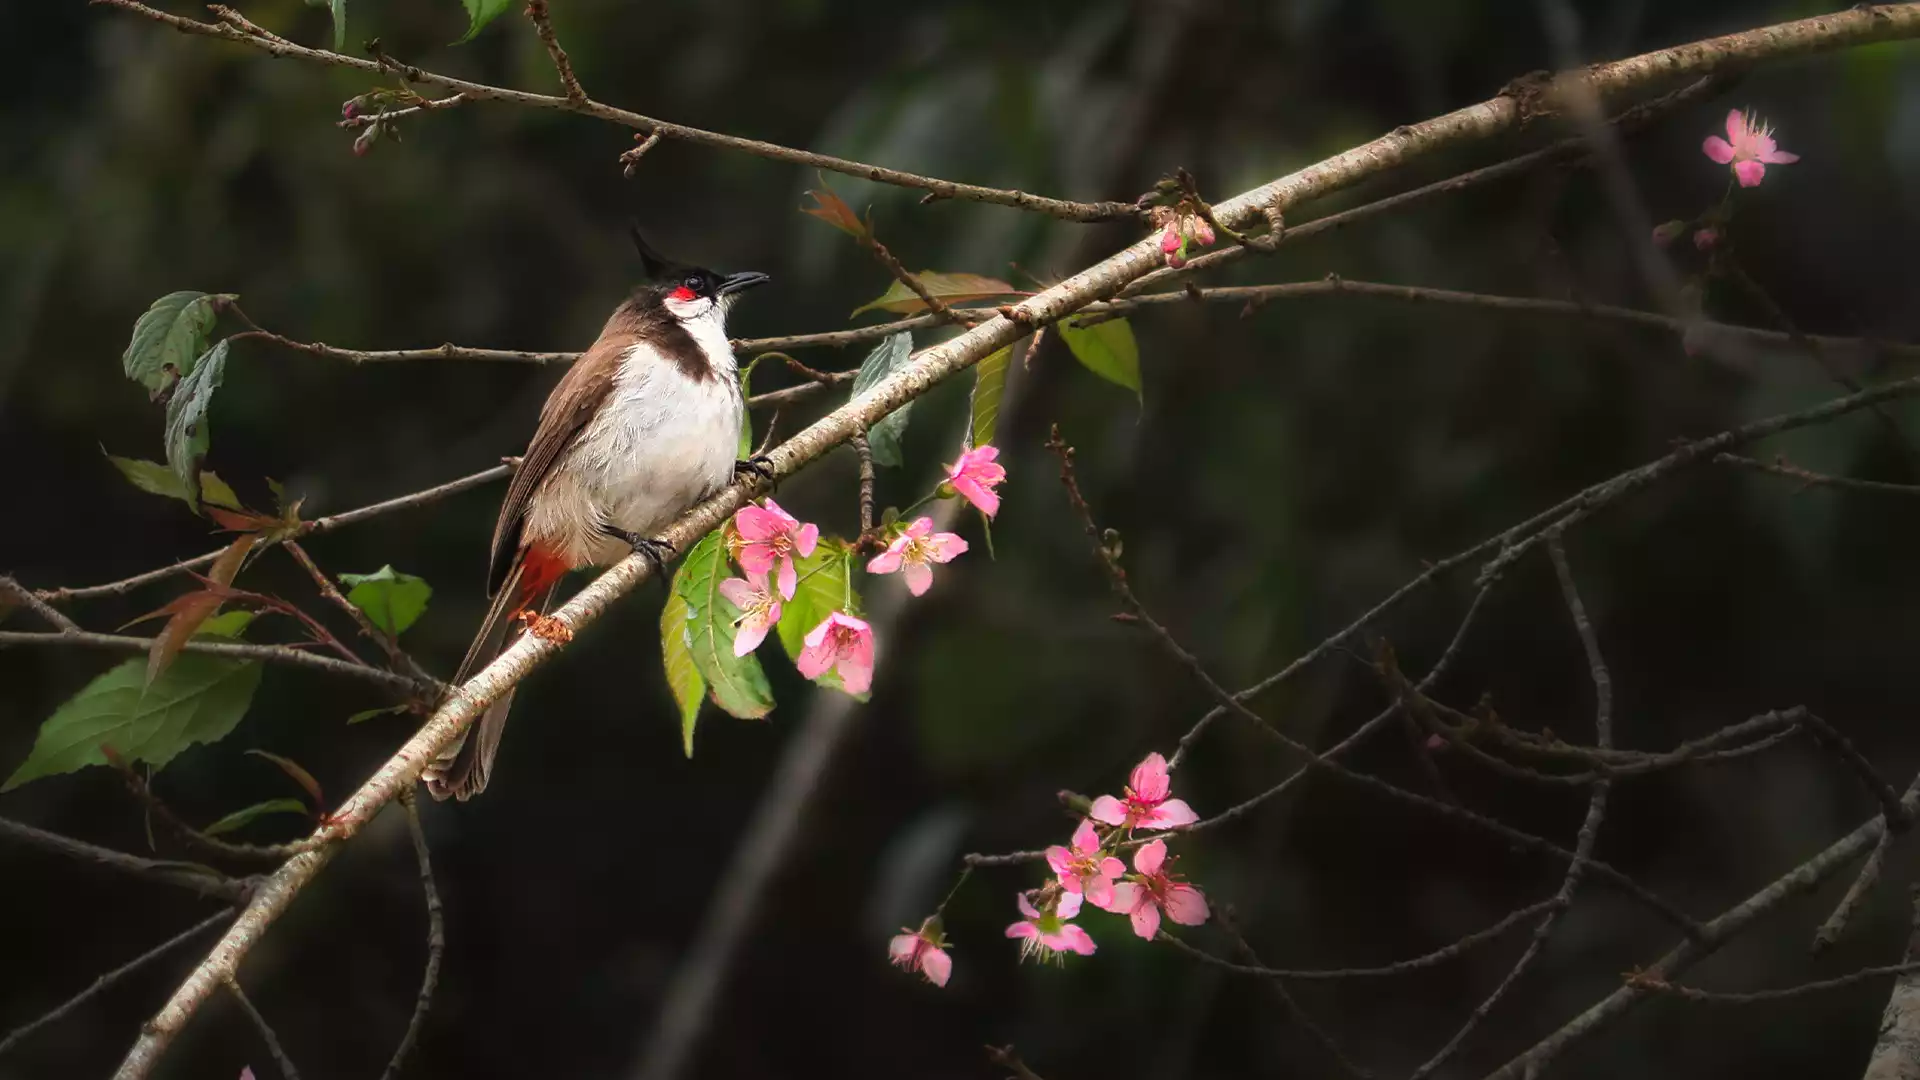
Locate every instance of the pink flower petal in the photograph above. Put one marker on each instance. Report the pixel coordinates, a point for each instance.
(919, 528)
(919, 578)
(1062, 862)
(756, 558)
(1150, 858)
(1186, 905)
(1149, 779)
(749, 636)
(1170, 240)
(1085, 840)
(754, 523)
(1146, 920)
(1126, 896)
(856, 677)
(984, 499)
(1068, 907)
(1108, 811)
(789, 578)
(1026, 906)
(814, 660)
(1779, 157)
(900, 949)
(886, 562)
(818, 635)
(739, 593)
(1076, 940)
(1112, 867)
(1749, 173)
(806, 539)
(1737, 131)
(1023, 930)
(1717, 148)
(1098, 890)
(936, 965)
(1169, 815)
(945, 547)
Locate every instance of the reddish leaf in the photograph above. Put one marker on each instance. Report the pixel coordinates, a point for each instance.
(190, 611)
(834, 211)
(300, 776)
(245, 521)
(951, 288)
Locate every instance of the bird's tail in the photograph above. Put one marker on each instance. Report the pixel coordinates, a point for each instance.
(461, 770)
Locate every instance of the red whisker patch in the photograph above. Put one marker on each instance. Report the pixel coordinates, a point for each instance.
(683, 294)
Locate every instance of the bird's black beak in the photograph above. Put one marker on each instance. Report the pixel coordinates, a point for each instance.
(746, 279)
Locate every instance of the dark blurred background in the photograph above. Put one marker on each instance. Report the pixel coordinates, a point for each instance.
(1285, 472)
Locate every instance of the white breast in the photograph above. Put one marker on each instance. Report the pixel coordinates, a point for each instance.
(662, 442)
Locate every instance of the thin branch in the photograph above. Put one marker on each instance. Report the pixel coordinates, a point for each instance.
(543, 25)
(265, 1029)
(25, 596)
(1692, 993)
(1589, 827)
(1836, 925)
(140, 789)
(245, 33)
(200, 880)
(1800, 880)
(100, 984)
(630, 160)
(387, 116)
(1451, 951)
(276, 654)
(933, 365)
(1289, 1008)
(1899, 819)
(316, 527)
(865, 452)
(436, 938)
(1896, 1053)
(1782, 467)
(1006, 1058)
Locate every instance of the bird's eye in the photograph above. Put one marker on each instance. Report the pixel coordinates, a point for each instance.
(694, 283)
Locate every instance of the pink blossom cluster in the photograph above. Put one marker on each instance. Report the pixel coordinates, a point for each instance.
(1179, 227)
(1087, 870)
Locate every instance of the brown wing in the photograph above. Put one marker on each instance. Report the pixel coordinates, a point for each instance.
(568, 410)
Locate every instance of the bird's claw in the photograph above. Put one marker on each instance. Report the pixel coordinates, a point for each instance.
(759, 465)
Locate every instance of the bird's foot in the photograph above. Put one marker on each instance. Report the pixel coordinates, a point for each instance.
(759, 465)
(546, 627)
(654, 550)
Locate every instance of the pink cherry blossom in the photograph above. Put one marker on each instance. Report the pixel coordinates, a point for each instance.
(975, 476)
(1748, 147)
(766, 536)
(1157, 891)
(1048, 934)
(1083, 869)
(1145, 805)
(914, 551)
(1706, 239)
(1200, 230)
(922, 949)
(760, 610)
(843, 643)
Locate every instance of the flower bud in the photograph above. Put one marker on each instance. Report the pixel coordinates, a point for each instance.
(1667, 231)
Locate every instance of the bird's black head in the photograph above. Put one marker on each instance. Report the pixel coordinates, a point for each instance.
(688, 293)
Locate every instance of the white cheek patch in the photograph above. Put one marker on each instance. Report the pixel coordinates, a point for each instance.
(689, 310)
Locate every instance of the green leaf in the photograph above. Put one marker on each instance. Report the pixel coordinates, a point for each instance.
(1107, 349)
(168, 338)
(198, 699)
(187, 438)
(394, 601)
(824, 588)
(243, 816)
(339, 25)
(231, 624)
(683, 676)
(951, 288)
(888, 356)
(479, 14)
(745, 450)
(368, 714)
(737, 683)
(156, 479)
(989, 385)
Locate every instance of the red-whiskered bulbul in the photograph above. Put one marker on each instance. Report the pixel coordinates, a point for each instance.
(643, 426)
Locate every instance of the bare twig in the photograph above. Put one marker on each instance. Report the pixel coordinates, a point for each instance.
(1836, 924)
(202, 880)
(1006, 1058)
(630, 160)
(100, 984)
(388, 116)
(543, 25)
(436, 938)
(1289, 1008)
(1896, 1054)
(1694, 993)
(1589, 827)
(865, 453)
(1783, 467)
(140, 789)
(25, 596)
(265, 1029)
(1899, 819)
(1451, 951)
(277, 654)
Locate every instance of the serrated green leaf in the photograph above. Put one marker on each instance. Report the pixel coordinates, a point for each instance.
(229, 624)
(737, 683)
(479, 14)
(745, 449)
(392, 600)
(156, 479)
(368, 714)
(187, 435)
(168, 338)
(989, 385)
(339, 11)
(1107, 349)
(884, 436)
(824, 587)
(198, 699)
(683, 676)
(950, 288)
(246, 814)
